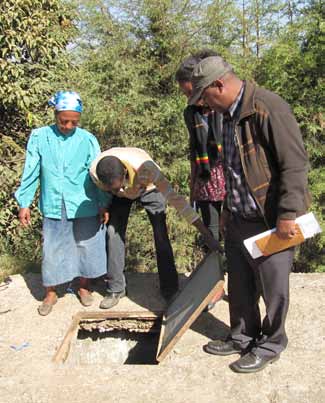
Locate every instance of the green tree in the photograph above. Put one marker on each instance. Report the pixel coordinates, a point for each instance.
(131, 49)
(123, 61)
(127, 80)
(294, 68)
(33, 35)
(33, 39)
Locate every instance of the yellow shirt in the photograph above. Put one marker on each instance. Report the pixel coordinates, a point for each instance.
(144, 175)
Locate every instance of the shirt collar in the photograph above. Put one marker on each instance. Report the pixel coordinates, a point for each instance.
(233, 108)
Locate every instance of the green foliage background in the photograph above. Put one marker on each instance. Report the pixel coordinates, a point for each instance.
(121, 56)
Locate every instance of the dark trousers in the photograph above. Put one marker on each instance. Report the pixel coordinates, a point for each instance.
(154, 204)
(210, 212)
(248, 280)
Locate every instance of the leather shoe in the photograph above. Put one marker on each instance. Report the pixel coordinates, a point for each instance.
(220, 347)
(111, 299)
(251, 362)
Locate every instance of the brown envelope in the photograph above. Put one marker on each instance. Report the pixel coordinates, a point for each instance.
(272, 243)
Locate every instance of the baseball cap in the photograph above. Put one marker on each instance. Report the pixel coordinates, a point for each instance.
(205, 73)
(185, 70)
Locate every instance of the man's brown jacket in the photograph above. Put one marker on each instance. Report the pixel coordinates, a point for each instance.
(273, 155)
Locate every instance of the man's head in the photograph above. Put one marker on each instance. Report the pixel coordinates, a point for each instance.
(215, 83)
(184, 73)
(111, 172)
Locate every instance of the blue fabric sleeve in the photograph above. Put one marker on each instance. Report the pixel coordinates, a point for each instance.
(30, 179)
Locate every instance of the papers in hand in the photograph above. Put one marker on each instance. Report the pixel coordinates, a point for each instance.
(268, 242)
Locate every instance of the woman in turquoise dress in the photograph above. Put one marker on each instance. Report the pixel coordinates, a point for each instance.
(73, 208)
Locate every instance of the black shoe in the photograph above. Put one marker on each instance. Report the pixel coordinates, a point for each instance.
(111, 299)
(168, 294)
(251, 362)
(220, 347)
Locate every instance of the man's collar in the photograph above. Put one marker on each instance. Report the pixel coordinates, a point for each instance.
(232, 109)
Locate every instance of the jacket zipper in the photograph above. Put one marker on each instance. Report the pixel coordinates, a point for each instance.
(246, 176)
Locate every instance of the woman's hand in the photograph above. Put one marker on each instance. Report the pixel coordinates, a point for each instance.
(103, 215)
(24, 216)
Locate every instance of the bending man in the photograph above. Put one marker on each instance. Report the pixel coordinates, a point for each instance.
(130, 174)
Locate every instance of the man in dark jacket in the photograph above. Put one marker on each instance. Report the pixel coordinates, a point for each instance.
(266, 182)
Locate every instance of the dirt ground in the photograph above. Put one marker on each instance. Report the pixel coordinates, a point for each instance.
(98, 369)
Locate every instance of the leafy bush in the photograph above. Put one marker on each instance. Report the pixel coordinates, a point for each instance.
(122, 59)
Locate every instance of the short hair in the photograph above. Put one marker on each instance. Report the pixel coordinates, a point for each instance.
(108, 169)
(185, 70)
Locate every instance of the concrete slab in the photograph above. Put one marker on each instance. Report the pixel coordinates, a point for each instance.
(186, 375)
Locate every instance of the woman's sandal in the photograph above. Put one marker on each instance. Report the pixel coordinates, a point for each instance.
(86, 300)
(45, 308)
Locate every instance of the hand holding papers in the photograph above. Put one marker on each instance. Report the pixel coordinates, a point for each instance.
(272, 243)
(268, 242)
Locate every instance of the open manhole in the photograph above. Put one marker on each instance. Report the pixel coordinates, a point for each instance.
(135, 337)
(111, 337)
(117, 347)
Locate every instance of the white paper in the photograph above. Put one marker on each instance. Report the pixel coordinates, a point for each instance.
(251, 246)
(308, 226)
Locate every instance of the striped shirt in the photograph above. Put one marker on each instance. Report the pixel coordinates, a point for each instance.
(239, 198)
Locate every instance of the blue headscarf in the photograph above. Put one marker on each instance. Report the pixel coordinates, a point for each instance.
(66, 101)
